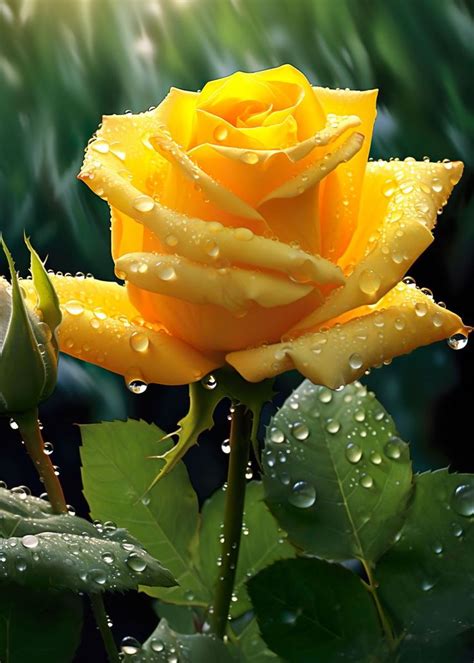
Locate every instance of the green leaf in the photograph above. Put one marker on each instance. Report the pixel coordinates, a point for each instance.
(22, 514)
(38, 626)
(116, 474)
(337, 477)
(426, 579)
(203, 399)
(165, 645)
(48, 302)
(250, 646)
(79, 563)
(181, 618)
(310, 610)
(262, 542)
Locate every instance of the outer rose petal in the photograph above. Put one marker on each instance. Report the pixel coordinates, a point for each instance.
(340, 194)
(399, 207)
(101, 326)
(402, 321)
(230, 287)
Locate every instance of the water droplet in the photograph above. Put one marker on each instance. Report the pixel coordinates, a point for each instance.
(171, 240)
(388, 188)
(212, 249)
(225, 446)
(130, 645)
(108, 558)
(457, 530)
(356, 361)
(436, 185)
(21, 565)
(437, 320)
(375, 458)
(421, 309)
(13, 424)
(463, 500)
(143, 203)
(30, 541)
(243, 234)
(156, 645)
(21, 492)
(136, 562)
(438, 548)
(325, 396)
(98, 576)
(369, 281)
(366, 481)
(359, 415)
(100, 145)
(250, 158)
(394, 448)
(300, 431)
(303, 495)
(353, 452)
(46, 331)
(220, 133)
(426, 585)
(209, 382)
(277, 436)
(139, 342)
(74, 307)
(136, 386)
(399, 324)
(457, 341)
(333, 426)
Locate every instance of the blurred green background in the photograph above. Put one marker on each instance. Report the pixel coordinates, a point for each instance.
(64, 63)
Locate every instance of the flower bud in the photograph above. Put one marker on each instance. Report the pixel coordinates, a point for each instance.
(28, 345)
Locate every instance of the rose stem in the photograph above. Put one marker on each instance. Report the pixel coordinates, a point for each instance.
(31, 434)
(372, 588)
(233, 516)
(98, 608)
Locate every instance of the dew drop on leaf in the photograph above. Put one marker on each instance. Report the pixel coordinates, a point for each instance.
(303, 495)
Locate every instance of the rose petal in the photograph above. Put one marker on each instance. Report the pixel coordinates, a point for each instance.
(399, 226)
(230, 287)
(340, 193)
(402, 321)
(194, 236)
(101, 326)
(317, 170)
(220, 196)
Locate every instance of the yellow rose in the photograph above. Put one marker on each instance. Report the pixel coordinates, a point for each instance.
(251, 230)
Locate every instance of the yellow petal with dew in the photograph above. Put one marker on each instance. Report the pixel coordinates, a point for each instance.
(194, 236)
(232, 288)
(100, 325)
(403, 320)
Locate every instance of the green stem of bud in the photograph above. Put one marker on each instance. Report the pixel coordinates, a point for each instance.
(31, 434)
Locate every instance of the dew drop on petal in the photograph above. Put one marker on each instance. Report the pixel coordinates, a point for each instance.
(277, 436)
(369, 281)
(74, 307)
(394, 448)
(139, 342)
(457, 341)
(250, 158)
(333, 426)
(143, 203)
(220, 133)
(356, 361)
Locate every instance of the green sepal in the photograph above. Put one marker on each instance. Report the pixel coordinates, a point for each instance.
(48, 301)
(202, 403)
(22, 370)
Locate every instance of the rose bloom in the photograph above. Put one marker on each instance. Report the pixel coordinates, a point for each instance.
(252, 231)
